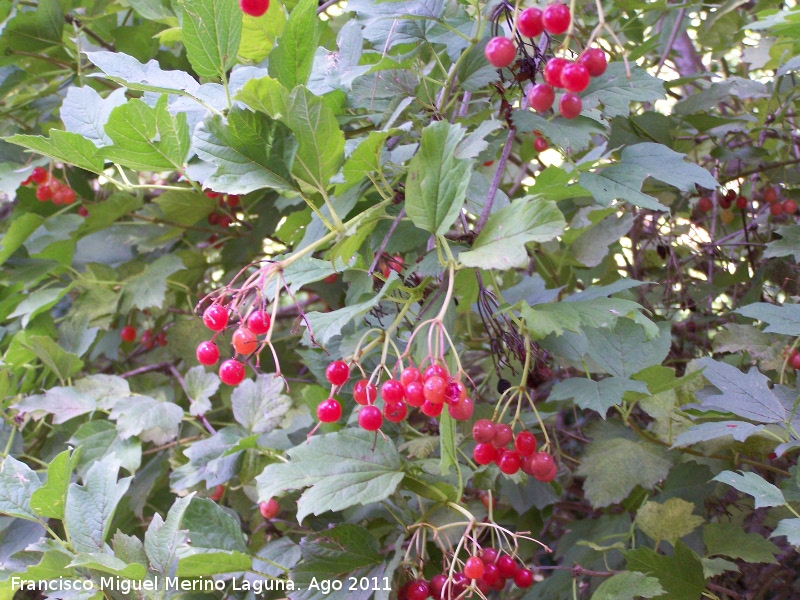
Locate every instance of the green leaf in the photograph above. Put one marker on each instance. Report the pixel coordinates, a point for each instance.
(259, 406)
(790, 528)
(543, 319)
(625, 350)
(85, 112)
(259, 33)
(624, 179)
(18, 482)
(64, 403)
(212, 527)
(184, 208)
(52, 566)
(63, 146)
(747, 395)
(474, 71)
(104, 563)
(148, 288)
(213, 563)
(762, 491)
(341, 469)
(669, 521)
(200, 386)
(62, 363)
(211, 32)
(729, 539)
(250, 152)
(788, 245)
(501, 243)
(596, 395)
(780, 319)
(127, 71)
(147, 138)
(18, 231)
(739, 430)
(437, 181)
(152, 420)
(573, 135)
(447, 443)
(90, 508)
(737, 337)
(366, 158)
(614, 465)
(97, 439)
(291, 61)
(49, 500)
(334, 552)
(615, 90)
(628, 585)
(163, 539)
(681, 574)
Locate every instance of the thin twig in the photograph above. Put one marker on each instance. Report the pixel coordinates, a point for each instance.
(385, 241)
(182, 383)
(498, 177)
(671, 41)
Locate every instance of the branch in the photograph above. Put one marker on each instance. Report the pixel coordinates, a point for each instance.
(498, 176)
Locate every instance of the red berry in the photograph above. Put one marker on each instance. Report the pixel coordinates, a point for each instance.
(553, 70)
(556, 19)
(490, 573)
(503, 434)
(211, 194)
(63, 195)
(484, 454)
(44, 193)
(254, 8)
(395, 411)
(258, 322)
(525, 443)
(595, 61)
(39, 175)
(437, 585)
(436, 370)
(455, 391)
(507, 566)
(499, 584)
(789, 207)
(569, 106)
(269, 509)
(418, 590)
(541, 97)
(410, 374)
(500, 52)
(434, 389)
(415, 394)
(215, 317)
(392, 391)
(770, 194)
(331, 278)
(529, 22)
(523, 578)
(575, 77)
(776, 209)
(509, 462)
(364, 392)
(473, 567)
(148, 339)
(219, 491)
(741, 202)
(483, 431)
(370, 418)
(213, 218)
(127, 333)
(539, 464)
(329, 410)
(224, 221)
(432, 409)
(207, 353)
(540, 144)
(705, 204)
(83, 211)
(337, 372)
(730, 195)
(244, 341)
(233, 200)
(231, 372)
(795, 361)
(461, 410)
(489, 556)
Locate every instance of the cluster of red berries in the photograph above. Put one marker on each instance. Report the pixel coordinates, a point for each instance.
(496, 443)
(149, 338)
(244, 341)
(224, 214)
(429, 390)
(794, 359)
(491, 570)
(727, 200)
(776, 207)
(48, 188)
(555, 20)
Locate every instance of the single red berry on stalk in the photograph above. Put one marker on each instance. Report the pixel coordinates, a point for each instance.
(437, 585)
(370, 418)
(595, 61)
(148, 339)
(529, 22)
(462, 409)
(455, 391)
(770, 194)
(432, 409)
(541, 97)
(207, 353)
(500, 52)
(258, 322)
(730, 195)
(556, 19)
(776, 209)
(705, 204)
(539, 464)
(489, 555)
(63, 195)
(212, 194)
(329, 410)
(553, 70)
(789, 207)
(83, 211)
(741, 202)
(269, 509)
(490, 573)
(127, 333)
(254, 8)
(392, 391)
(215, 317)
(39, 175)
(507, 566)
(337, 372)
(540, 144)
(233, 200)
(418, 589)
(244, 341)
(410, 374)
(484, 454)
(509, 462)
(436, 370)
(473, 567)
(503, 434)
(434, 389)
(395, 411)
(364, 392)
(575, 77)
(570, 105)
(795, 360)
(231, 372)
(219, 491)
(525, 443)
(331, 278)
(44, 193)
(415, 394)
(483, 431)
(523, 578)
